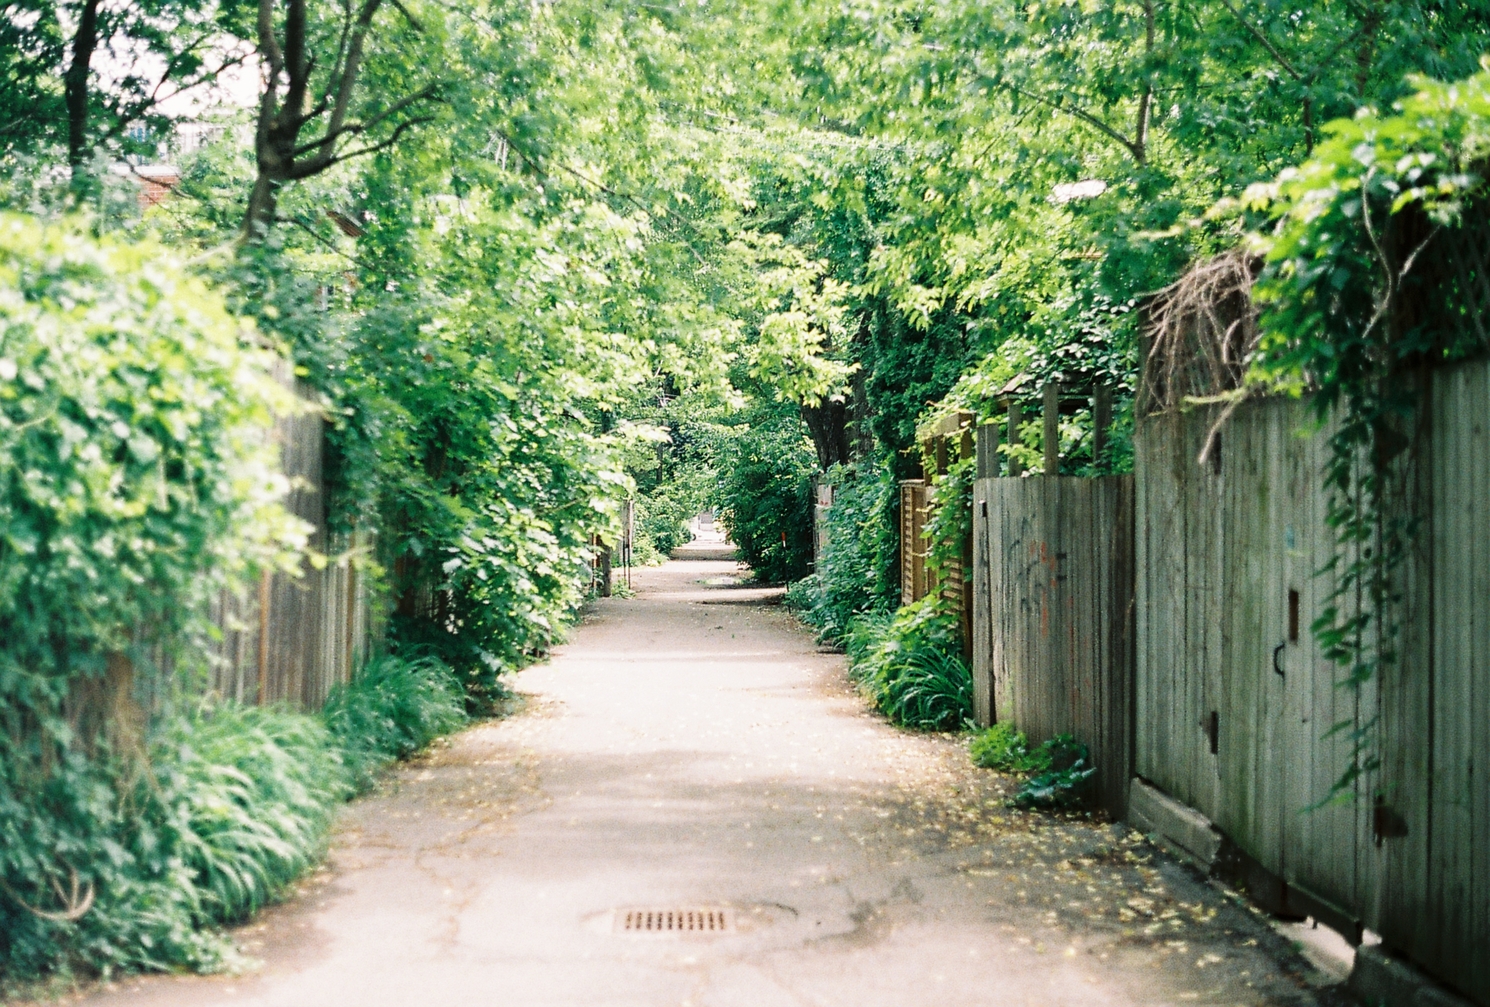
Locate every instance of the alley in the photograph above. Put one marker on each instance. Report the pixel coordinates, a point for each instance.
(692, 748)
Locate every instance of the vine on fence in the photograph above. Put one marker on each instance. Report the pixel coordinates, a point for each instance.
(1358, 295)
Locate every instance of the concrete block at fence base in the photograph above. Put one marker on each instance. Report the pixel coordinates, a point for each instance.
(1183, 830)
(1380, 979)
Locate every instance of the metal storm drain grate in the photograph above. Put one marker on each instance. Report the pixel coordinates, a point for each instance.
(674, 921)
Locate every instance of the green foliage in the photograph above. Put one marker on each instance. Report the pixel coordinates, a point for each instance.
(250, 792)
(88, 822)
(230, 806)
(226, 807)
(1061, 776)
(1057, 771)
(857, 572)
(390, 710)
(911, 667)
(662, 515)
(1003, 748)
(765, 495)
(139, 480)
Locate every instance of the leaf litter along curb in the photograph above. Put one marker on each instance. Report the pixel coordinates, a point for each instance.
(1078, 880)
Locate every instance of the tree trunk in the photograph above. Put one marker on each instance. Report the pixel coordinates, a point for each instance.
(85, 41)
(261, 204)
(828, 425)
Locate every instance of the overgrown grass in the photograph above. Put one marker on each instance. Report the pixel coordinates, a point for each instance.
(911, 667)
(252, 791)
(222, 811)
(391, 710)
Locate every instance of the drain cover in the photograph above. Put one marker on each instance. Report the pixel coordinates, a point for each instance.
(673, 921)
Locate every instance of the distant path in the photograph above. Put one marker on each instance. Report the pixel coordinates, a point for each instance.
(692, 747)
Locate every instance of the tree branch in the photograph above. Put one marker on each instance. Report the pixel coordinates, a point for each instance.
(1084, 116)
(355, 128)
(1266, 42)
(318, 165)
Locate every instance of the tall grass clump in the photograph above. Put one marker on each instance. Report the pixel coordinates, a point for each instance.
(130, 860)
(251, 793)
(391, 710)
(910, 666)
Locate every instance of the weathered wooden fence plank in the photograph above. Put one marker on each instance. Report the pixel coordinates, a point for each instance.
(982, 661)
(1057, 555)
(914, 582)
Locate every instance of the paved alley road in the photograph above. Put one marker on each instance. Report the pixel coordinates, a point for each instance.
(692, 748)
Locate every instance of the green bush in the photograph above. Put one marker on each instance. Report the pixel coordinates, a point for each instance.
(857, 571)
(911, 666)
(1057, 770)
(138, 475)
(765, 496)
(665, 508)
(392, 709)
(153, 853)
(90, 837)
(1002, 748)
(214, 819)
(137, 479)
(252, 791)
(1065, 778)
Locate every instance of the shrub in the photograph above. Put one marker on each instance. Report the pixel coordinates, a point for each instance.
(911, 666)
(1058, 770)
(765, 496)
(1063, 783)
(663, 512)
(250, 792)
(137, 478)
(150, 855)
(1002, 748)
(392, 709)
(857, 571)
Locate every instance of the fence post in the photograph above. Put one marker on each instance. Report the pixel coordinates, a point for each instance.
(1052, 437)
(988, 448)
(1015, 418)
(1101, 420)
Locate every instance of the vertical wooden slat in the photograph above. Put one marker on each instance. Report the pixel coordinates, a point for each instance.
(1052, 437)
(1101, 420)
(1015, 419)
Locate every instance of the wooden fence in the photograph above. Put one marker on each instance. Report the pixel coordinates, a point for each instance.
(1052, 614)
(292, 639)
(943, 444)
(915, 577)
(1235, 702)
